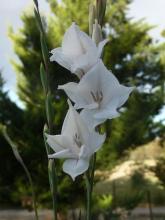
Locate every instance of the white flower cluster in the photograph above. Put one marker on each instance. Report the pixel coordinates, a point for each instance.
(98, 94)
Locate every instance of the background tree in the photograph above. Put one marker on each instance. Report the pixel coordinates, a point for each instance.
(11, 116)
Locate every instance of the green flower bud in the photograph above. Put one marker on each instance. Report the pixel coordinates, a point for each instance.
(36, 3)
(100, 10)
(92, 14)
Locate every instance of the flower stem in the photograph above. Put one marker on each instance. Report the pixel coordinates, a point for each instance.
(89, 179)
(45, 79)
(88, 188)
(53, 185)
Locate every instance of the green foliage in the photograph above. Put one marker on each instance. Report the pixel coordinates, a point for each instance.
(160, 170)
(103, 203)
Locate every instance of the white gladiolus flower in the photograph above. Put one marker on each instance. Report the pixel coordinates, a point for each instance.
(99, 94)
(78, 52)
(75, 143)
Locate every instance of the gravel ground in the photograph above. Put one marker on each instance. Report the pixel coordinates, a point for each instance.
(137, 214)
(24, 215)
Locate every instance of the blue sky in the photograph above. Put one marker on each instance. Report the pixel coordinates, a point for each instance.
(151, 10)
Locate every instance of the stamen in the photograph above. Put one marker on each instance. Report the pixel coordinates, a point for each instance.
(80, 72)
(93, 96)
(97, 97)
(77, 140)
(101, 96)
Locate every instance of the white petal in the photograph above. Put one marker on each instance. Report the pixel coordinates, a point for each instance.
(71, 91)
(75, 167)
(124, 94)
(71, 45)
(88, 106)
(90, 81)
(88, 117)
(80, 95)
(60, 58)
(69, 126)
(63, 154)
(114, 94)
(106, 114)
(61, 143)
(58, 142)
(94, 144)
(107, 82)
(85, 152)
(55, 142)
(83, 63)
(87, 42)
(100, 47)
(96, 141)
(118, 96)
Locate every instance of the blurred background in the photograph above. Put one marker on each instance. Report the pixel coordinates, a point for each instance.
(131, 164)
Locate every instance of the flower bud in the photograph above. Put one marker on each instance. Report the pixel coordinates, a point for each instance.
(92, 14)
(36, 3)
(97, 33)
(100, 10)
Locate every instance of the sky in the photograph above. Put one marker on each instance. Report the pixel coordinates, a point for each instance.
(10, 11)
(151, 10)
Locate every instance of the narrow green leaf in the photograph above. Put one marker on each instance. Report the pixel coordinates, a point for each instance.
(46, 130)
(44, 79)
(49, 109)
(38, 20)
(44, 49)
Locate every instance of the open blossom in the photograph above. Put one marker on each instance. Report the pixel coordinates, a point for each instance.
(99, 94)
(75, 143)
(78, 52)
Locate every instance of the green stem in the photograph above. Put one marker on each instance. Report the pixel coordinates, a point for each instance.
(51, 164)
(88, 188)
(89, 179)
(53, 185)
(93, 168)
